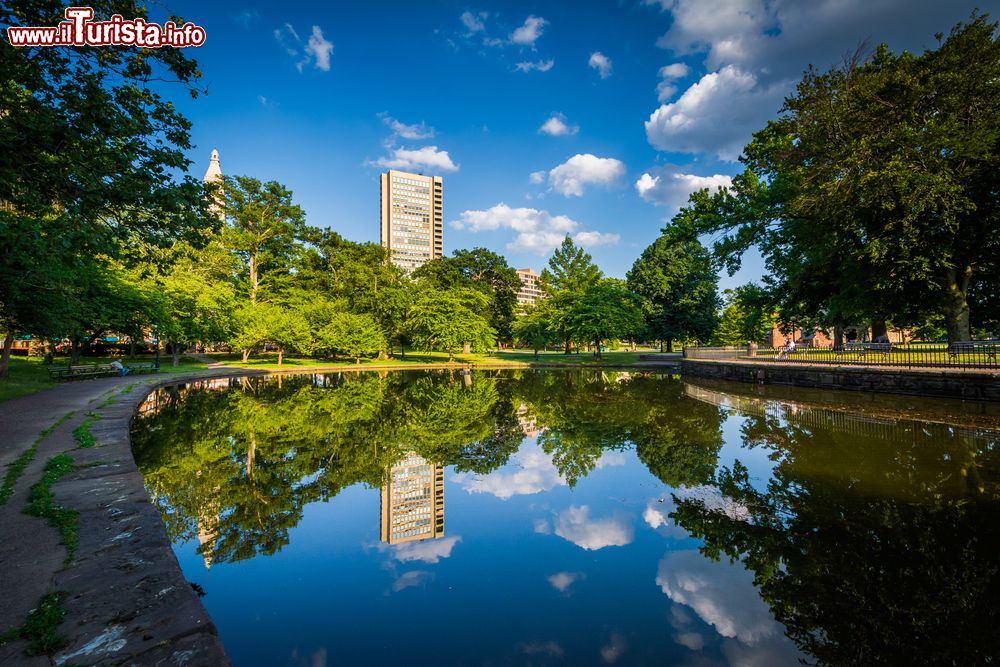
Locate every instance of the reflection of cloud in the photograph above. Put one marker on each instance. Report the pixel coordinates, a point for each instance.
(542, 527)
(410, 579)
(692, 640)
(575, 525)
(534, 473)
(722, 594)
(656, 517)
(561, 581)
(428, 551)
(614, 649)
(549, 648)
(714, 501)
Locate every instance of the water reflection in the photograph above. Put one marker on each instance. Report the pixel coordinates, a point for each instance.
(588, 517)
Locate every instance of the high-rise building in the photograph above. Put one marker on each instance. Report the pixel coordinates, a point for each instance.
(530, 293)
(412, 217)
(214, 175)
(412, 501)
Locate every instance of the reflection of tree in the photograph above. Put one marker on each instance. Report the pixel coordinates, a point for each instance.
(870, 549)
(586, 413)
(239, 466)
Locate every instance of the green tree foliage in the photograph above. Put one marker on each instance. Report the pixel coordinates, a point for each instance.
(86, 170)
(353, 335)
(606, 310)
(746, 317)
(570, 272)
(451, 320)
(532, 328)
(874, 195)
(678, 285)
(263, 227)
(480, 269)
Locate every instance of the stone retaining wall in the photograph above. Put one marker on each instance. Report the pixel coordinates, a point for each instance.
(982, 386)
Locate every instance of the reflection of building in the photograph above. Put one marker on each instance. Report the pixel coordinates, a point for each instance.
(527, 421)
(413, 501)
(208, 529)
(412, 218)
(530, 293)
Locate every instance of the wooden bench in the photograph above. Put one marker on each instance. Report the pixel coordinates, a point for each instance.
(987, 347)
(882, 349)
(135, 369)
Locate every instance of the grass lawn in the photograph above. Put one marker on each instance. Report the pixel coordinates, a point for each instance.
(29, 374)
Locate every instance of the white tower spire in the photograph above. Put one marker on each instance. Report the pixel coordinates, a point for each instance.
(214, 171)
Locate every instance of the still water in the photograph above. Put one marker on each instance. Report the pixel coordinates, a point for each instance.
(577, 518)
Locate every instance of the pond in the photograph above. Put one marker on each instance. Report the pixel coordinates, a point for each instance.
(577, 517)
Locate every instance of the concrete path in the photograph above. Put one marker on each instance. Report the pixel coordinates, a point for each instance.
(125, 597)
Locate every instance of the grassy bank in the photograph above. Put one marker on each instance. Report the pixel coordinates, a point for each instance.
(28, 374)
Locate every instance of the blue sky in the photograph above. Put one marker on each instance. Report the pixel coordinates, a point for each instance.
(544, 118)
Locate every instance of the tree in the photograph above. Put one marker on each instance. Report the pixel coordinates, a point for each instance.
(606, 310)
(450, 320)
(263, 227)
(86, 170)
(355, 335)
(570, 272)
(480, 269)
(678, 285)
(532, 328)
(259, 323)
(745, 318)
(874, 194)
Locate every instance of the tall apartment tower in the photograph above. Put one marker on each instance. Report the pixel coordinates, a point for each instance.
(412, 217)
(530, 293)
(412, 506)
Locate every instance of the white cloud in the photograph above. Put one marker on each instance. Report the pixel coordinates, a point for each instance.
(561, 581)
(668, 77)
(714, 501)
(715, 115)
(541, 65)
(556, 126)
(427, 551)
(536, 177)
(538, 232)
(410, 579)
(575, 525)
(417, 131)
(428, 157)
(572, 176)
(601, 63)
(317, 50)
(320, 49)
(671, 188)
(755, 51)
(542, 527)
(473, 22)
(529, 32)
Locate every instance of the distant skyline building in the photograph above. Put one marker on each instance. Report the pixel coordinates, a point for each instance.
(530, 293)
(412, 217)
(214, 175)
(412, 506)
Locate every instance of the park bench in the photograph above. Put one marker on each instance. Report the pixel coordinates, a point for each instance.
(862, 349)
(985, 347)
(135, 369)
(82, 371)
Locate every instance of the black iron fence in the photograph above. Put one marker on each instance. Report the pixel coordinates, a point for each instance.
(972, 354)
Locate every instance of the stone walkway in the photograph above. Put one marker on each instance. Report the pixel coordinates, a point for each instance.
(125, 597)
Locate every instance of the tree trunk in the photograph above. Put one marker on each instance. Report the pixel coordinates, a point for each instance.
(451, 356)
(838, 337)
(175, 354)
(567, 343)
(252, 265)
(281, 353)
(74, 351)
(661, 345)
(49, 353)
(466, 348)
(879, 330)
(131, 347)
(956, 305)
(597, 348)
(246, 355)
(357, 361)
(670, 344)
(536, 354)
(8, 343)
